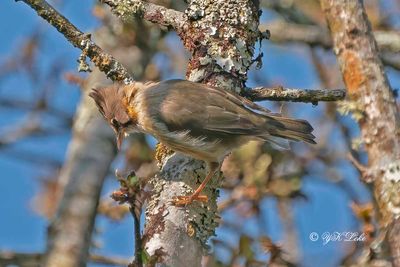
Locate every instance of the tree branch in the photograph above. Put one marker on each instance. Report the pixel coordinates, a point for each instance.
(372, 98)
(282, 31)
(90, 153)
(35, 259)
(285, 32)
(388, 40)
(149, 11)
(167, 17)
(166, 225)
(295, 95)
(192, 226)
(314, 35)
(105, 62)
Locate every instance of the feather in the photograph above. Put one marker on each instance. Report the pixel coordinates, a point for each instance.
(110, 102)
(215, 113)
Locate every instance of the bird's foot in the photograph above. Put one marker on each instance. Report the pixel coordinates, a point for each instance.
(182, 201)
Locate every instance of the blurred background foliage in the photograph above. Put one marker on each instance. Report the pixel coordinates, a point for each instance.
(270, 202)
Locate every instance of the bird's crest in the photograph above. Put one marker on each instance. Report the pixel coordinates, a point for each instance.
(110, 102)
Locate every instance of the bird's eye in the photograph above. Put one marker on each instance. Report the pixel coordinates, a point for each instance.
(114, 122)
(126, 124)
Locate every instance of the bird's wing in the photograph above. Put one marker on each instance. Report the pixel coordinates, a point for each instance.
(241, 101)
(207, 111)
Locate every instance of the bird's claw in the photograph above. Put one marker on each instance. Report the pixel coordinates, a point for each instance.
(182, 201)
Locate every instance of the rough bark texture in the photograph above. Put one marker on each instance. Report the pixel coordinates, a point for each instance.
(157, 14)
(373, 99)
(220, 35)
(295, 95)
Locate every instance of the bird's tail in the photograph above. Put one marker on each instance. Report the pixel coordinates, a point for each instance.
(279, 129)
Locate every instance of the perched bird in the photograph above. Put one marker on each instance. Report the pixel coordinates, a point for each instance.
(203, 122)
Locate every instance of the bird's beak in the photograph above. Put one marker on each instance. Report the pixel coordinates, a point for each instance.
(120, 138)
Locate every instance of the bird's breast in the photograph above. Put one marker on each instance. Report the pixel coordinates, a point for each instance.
(199, 147)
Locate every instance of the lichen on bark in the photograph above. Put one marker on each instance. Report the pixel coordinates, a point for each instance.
(378, 118)
(220, 36)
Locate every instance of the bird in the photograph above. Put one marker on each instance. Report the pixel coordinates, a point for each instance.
(198, 120)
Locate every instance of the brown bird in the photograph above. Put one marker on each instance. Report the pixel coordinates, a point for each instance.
(203, 122)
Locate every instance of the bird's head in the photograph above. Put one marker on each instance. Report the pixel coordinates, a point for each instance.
(113, 104)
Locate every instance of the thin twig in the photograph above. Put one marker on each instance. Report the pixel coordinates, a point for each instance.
(365, 172)
(138, 237)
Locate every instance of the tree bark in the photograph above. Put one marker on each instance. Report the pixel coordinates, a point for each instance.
(373, 99)
(220, 35)
(90, 153)
(295, 95)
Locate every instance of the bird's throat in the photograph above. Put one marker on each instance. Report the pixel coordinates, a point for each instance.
(132, 113)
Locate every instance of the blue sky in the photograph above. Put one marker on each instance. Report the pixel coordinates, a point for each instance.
(22, 229)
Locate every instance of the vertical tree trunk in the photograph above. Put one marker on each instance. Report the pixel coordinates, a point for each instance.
(373, 105)
(220, 36)
(90, 153)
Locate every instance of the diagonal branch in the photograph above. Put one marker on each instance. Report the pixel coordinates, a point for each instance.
(149, 11)
(167, 17)
(105, 62)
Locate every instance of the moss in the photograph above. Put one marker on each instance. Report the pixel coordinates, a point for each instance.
(126, 9)
(388, 189)
(162, 151)
(355, 108)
